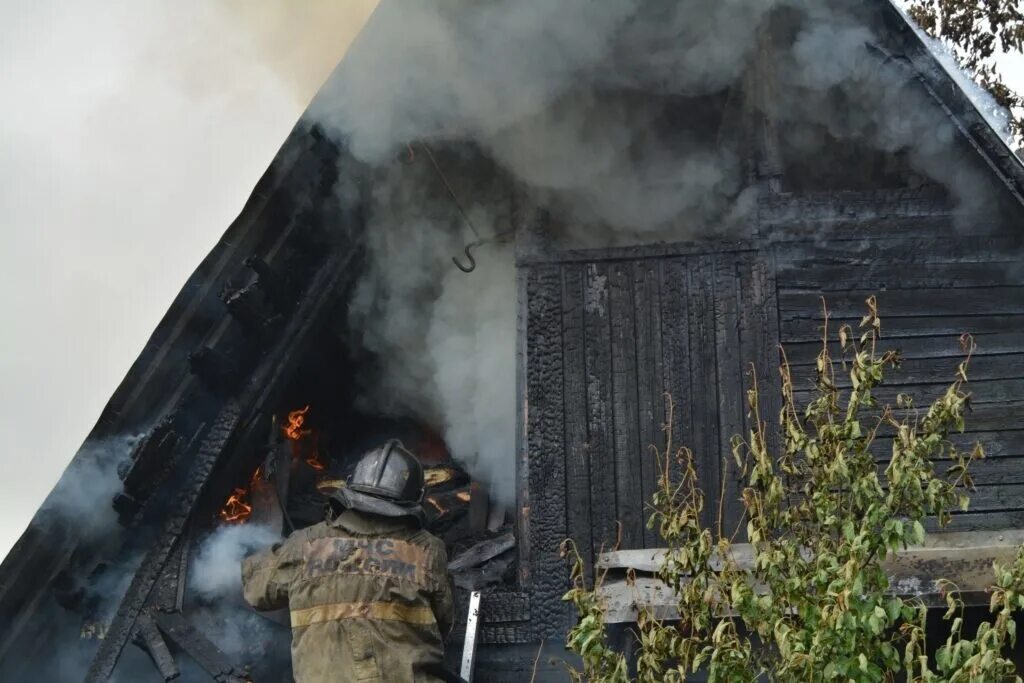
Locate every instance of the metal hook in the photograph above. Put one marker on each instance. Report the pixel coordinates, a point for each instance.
(472, 261)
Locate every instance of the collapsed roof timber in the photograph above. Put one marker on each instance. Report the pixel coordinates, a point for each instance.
(668, 230)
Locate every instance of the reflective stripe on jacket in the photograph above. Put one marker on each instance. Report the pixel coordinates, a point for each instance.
(369, 598)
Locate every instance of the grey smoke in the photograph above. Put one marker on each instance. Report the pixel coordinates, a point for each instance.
(83, 497)
(531, 84)
(215, 573)
(215, 588)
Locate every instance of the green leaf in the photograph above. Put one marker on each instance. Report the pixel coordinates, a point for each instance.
(917, 534)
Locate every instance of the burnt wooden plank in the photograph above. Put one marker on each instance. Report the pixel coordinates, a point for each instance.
(932, 370)
(731, 396)
(1007, 443)
(145, 578)
(996, 497)
(961, 303)
(546, 442)
(625, 417)
(790, 211)
(600, 443)
(703, 440)
(809, 329)
(942, 346)
(647, 294)
(892, 276)
(982, 392)
(210, 657)
(857, 251)
(577, 465)
(974, 520)
(987, 472)
(675, 324)
(764, 295)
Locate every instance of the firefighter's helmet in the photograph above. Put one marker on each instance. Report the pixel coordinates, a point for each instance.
(391, 472)
(387, 480)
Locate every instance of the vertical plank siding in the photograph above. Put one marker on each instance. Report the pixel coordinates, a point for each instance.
(675, 347)
(703, 437)
(625, 409)
(577, 465)
(600, 442)
(732, 352)
(607, 339)
(545, 438)
(650, 389)
(633, 331)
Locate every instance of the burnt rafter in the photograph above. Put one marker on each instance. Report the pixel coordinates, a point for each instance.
(149, 638)
(249, 307)
(180, 631)
(214, 368)
(237, 415)
(274, 285)
(151, 461)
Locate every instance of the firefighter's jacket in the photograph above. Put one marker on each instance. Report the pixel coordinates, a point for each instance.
(369, 598)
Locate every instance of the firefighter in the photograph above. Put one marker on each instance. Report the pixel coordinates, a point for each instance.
(368, 588)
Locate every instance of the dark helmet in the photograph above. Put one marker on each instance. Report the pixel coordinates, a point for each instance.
(391, 472)
(387, 481)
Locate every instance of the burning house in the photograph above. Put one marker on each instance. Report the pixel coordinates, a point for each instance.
(502, 232)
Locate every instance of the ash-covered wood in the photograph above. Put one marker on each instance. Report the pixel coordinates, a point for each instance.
(481, 552)
(178, 629)
(153, 642)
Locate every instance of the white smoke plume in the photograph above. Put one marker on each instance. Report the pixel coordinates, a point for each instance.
(537, 87)
(83, 497)
(215, 570)
(220, 613)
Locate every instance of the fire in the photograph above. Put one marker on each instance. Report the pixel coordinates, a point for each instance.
(296, 418)
(461, 496)
(314, 462)
(295, 433)
(236, 510)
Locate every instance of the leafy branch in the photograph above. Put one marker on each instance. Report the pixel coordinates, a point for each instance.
(808, 598)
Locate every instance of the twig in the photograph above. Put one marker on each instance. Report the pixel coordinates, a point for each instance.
(536, 659)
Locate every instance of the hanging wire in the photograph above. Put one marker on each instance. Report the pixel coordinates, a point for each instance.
(469, 265)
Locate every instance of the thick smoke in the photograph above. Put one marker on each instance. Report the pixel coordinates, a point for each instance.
(214, 574)
(215, 588)
(82, 499)
(539, 88)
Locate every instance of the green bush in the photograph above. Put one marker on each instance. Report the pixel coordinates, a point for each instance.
(814, 604)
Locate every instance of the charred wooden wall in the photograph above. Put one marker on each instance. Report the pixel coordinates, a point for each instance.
(934, 280)
(608, 333)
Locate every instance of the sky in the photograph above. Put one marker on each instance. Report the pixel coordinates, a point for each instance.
(131, 133)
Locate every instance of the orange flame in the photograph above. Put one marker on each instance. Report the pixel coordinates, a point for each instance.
(293, 430)
(461, 496)
(236, 510)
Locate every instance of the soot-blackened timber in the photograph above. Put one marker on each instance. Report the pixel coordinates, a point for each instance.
(604, 335)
